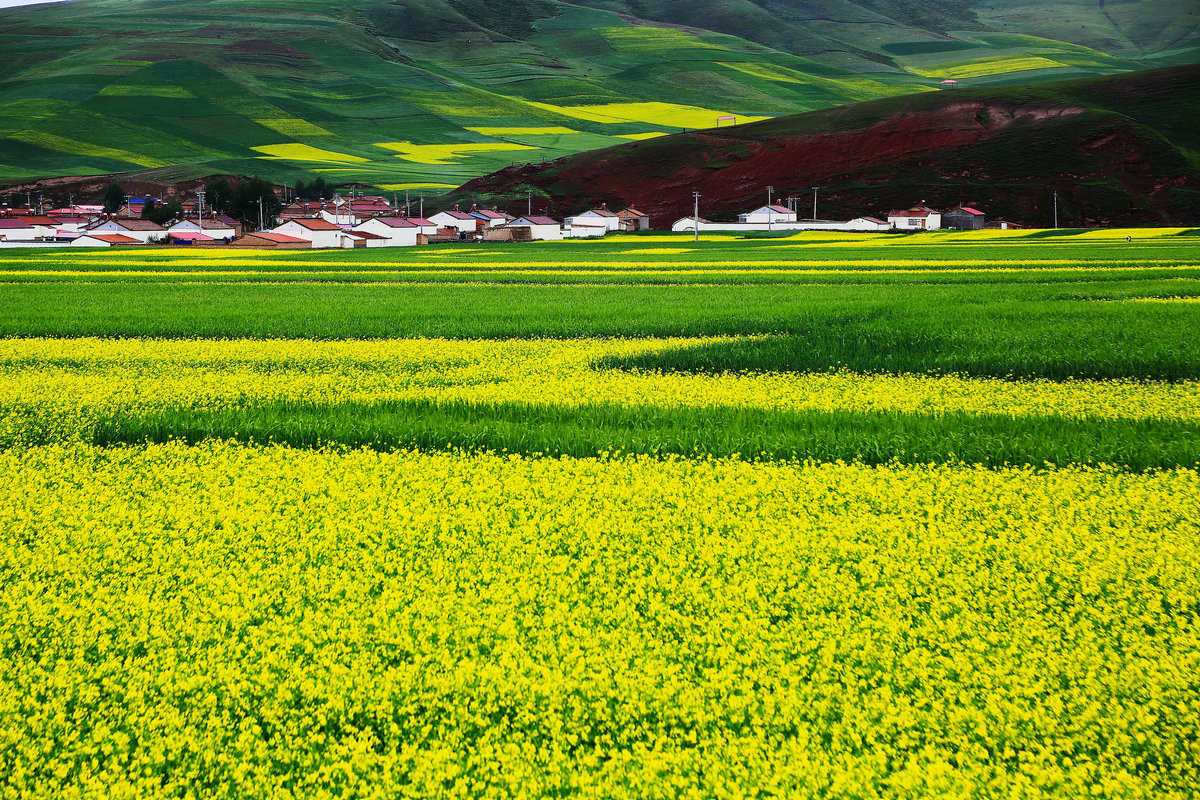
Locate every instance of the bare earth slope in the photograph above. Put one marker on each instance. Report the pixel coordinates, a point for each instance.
(1118, 150)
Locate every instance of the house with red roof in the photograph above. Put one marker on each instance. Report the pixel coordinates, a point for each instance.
(16, 229)
(596, 216)
(457, 220)
(918, 218)
(540, 228)
(320, 232)
(395, 231)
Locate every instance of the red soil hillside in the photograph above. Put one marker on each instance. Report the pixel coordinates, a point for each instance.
(1118, 150)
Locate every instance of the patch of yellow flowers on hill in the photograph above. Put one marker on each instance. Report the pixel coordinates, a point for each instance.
(250, 622)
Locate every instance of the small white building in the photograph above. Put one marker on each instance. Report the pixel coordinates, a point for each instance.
(318, 231)
(352, 238)
(141, 229)
(425, 226)
(457, 221)
(767, 215)
(16, 229)
(584, 229)
(342, 215)
(596, 216)
(103, 240)
(868, 224)
(920, 218)
(214, 229)
(541, 229)
(70, 226)
(396, 232)
(689, 224)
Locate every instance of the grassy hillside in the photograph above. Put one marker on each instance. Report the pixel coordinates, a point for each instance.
(426, 95)
(1121, 149)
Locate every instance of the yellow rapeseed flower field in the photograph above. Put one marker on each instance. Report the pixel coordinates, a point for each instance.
(249, 622)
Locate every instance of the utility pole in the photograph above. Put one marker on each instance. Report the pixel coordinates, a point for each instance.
(528, 202)
(200, 209)
(41, 203)
(770, 211)
(422, 197)
(815, 202)
(29, 200)
(1056, 209)
(407, 211)
(696, 214)
(260, 216)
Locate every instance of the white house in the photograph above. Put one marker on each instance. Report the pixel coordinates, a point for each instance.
(457, 220)
(584, 229)
(214, 229)
(141, 229)
(767, 215)
(689, 224)
(597, 216)
(915, 219)
(540, 228)
(352, 238)
(103, 240)
(872, 224)
(318, 231)
(70, 226)
(16, 229)
(395, 231)
(342, 215)
(426, 226)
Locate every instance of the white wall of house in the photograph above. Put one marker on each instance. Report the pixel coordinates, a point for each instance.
(610, 223)
(903, 222)
(540, 233)
(768, 215)
(113, 226)
(864, 224)
(396, 237)
(342, 216)
(445, 219)
(584, 230)
(191, 226)
(318, 238)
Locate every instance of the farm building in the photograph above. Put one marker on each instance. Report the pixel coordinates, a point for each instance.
(426, 226)
(269, 239)
(689, 224)
(964, 218)
(141, 229)
(596, 216)
(540, 228)
(353, 238)
(395, 232)
(103, 240)
(457, 220)
(872, 224)
(915, 219)
(214, 229)
(16, 229)
(318, 231)
(633, 220)
(767, 215)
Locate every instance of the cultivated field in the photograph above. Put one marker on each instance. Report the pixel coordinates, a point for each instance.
(810, 516)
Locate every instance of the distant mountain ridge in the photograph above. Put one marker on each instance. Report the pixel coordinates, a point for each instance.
(425, 95)
(1118, 150)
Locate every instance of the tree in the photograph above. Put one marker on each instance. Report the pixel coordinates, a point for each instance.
(114, 198)
(218, 196)
(246, 201)
(301, 190)
(147, 208)
(165, 213)
(16, 200)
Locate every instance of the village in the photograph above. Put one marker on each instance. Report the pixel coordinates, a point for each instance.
(368, 220)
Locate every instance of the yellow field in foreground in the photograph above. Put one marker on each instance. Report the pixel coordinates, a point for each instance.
(226, 621)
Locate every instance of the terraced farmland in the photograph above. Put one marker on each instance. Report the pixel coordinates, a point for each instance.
(818, 515)
(361, 91)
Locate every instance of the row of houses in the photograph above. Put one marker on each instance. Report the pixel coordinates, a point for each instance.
(773, 217)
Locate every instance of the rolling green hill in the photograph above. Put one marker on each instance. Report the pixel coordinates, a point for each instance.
(1121, 149)
(429, 94)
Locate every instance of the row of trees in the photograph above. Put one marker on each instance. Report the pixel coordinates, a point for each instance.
(244, 202)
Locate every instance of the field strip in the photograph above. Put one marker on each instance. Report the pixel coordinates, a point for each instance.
(558, 270)
(889, 265)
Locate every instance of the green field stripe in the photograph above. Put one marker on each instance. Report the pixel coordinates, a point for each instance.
(873, 438)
